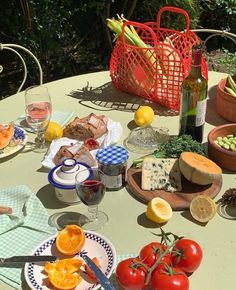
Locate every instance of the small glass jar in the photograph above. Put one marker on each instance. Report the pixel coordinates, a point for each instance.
(112, 161)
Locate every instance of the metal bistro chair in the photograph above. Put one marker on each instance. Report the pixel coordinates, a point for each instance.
(215, 32)
(14, 47)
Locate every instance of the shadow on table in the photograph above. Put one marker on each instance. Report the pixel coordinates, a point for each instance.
(61, 219)
(47, 196)
(212, 117)
(108, 98)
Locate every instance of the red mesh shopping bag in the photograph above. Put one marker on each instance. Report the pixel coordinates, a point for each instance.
(156, 72)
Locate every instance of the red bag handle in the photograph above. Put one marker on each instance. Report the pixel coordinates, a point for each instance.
(175, 10)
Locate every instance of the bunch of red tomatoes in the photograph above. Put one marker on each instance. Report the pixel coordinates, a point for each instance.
(160, 267)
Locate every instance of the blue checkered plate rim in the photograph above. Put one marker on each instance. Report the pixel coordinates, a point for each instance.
(96, 245)
(17, 142)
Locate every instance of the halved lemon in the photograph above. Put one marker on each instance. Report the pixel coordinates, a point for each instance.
(159, 210)
(203, 208)
(70, 240)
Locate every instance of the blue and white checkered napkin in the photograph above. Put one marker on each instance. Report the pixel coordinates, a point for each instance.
(21, 231)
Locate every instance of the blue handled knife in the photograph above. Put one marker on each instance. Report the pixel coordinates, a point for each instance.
(103, 280)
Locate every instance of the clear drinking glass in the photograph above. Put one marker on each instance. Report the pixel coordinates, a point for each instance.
(38, 109)
(90, 187)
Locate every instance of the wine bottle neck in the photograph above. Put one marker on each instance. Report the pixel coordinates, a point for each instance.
(196, 62)
(196, 71)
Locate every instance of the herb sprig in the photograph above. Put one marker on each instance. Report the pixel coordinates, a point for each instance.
(178, 144)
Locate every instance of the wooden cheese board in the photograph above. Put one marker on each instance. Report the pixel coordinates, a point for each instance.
(178, 200)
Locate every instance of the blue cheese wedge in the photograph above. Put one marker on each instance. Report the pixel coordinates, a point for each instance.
(161, 174)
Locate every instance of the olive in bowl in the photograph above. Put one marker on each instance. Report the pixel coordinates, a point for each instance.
(221, 149)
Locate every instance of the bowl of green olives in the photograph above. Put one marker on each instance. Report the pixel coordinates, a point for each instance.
(222, 146)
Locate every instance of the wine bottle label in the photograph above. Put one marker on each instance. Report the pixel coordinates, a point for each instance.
(201, 113)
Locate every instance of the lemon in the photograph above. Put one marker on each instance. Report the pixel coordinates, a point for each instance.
(144, 116)
(202, 208)
(159, 210)
(53, 131)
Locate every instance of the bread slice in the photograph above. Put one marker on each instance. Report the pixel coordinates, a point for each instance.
(92, 126)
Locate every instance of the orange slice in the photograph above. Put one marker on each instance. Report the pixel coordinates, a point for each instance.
(64, 280)
(202, 208)
(90, 272)
(70, 240)
(65, 265)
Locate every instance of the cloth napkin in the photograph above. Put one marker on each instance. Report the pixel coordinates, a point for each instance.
(114, 132)
(23, 230)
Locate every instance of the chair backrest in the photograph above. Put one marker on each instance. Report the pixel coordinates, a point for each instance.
(14, 48)
(215, 32)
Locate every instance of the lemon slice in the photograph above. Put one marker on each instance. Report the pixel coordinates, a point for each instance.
(53, 131)
(144, 116)
(202, 208)
(159, 210)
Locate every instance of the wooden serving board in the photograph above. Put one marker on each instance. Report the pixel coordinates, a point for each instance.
(178, 200)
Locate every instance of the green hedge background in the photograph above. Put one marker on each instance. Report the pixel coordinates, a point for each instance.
(70, 37)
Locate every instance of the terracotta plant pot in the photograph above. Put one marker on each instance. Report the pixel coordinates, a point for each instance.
(225, 103)
(224, 158)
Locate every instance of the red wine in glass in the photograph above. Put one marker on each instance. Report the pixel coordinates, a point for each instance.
(91, 191)
(90, 187)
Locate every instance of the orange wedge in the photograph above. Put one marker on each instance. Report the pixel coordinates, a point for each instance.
(65, 265)
(202, 208)
(64, 280)
(70, 240)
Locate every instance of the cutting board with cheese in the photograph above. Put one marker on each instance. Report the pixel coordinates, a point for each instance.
(163, 178)
(178, 200)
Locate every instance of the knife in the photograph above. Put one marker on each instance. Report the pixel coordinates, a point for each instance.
(103, 280)
(26, 259)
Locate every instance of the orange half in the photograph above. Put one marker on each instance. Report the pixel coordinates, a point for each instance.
(70, 240)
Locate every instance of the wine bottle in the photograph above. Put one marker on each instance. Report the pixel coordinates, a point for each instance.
(193, 98)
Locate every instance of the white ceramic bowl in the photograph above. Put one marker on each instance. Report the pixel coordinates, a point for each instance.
(62, 177)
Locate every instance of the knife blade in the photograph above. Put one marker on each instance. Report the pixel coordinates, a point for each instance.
(103, 280)
(26, 259)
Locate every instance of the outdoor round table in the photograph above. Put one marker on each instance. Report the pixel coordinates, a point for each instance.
(128, 229)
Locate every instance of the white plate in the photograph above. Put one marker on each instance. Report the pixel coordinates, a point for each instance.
(110, 138)
(95, 246)
(14, 146)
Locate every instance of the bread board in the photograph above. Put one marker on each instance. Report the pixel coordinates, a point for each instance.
(178, 200)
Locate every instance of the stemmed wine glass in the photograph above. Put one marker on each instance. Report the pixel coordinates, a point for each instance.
(38, 110)
(90, 187)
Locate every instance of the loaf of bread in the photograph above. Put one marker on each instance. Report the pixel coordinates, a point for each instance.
(92, 126)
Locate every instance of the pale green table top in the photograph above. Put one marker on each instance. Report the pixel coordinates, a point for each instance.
(127, 229)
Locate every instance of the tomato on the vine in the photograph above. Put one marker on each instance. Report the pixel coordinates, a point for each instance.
(150, 253)
(170, 279)
(131, 274)
(187, 255)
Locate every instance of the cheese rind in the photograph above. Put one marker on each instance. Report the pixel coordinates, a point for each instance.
(161, 174)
